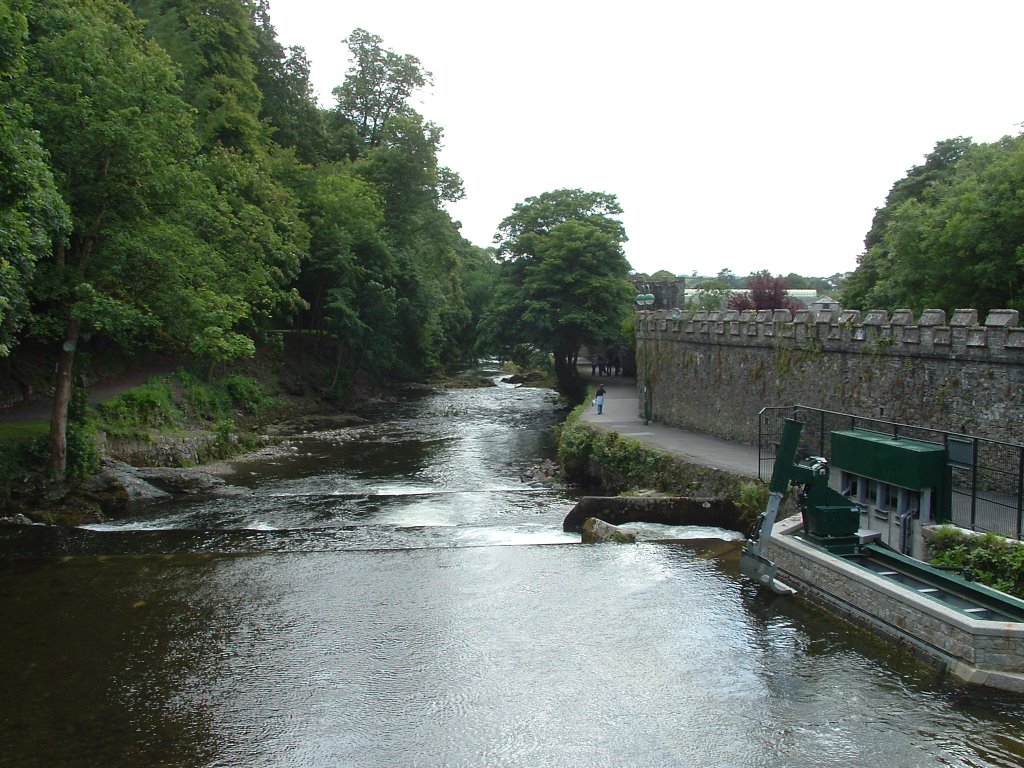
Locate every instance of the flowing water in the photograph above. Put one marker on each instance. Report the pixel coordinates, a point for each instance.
(396, 594)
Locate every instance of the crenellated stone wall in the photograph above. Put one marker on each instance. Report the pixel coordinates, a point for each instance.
(713, 371)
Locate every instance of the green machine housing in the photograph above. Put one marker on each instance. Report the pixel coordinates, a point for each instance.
(893, 477)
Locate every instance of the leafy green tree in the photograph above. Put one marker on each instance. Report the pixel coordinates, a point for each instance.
(32, 213)
(953, 235)
(288, 102)
(105, 102)
(727, 278)
(169, 246)
(377, 86)
(713, 293)
(214, 44)
(564, 282)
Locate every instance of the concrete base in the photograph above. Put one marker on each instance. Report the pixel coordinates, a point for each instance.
(988, 653)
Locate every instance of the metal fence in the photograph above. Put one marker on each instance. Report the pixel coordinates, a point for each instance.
(987, 475)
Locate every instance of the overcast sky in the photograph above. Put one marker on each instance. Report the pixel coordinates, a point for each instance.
(737, 134)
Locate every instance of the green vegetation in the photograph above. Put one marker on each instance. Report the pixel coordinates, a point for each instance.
(563, 282)
(171, 184)
(950, 233)
(622, 465)
(990, 559)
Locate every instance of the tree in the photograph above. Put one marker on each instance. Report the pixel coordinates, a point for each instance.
(214, 44)
(184, 250)
(288, 104)
(32, 213)
(106, 105)
(764, 292)
(564, 281)
(712, 294)
(950, 235)
(377, 86)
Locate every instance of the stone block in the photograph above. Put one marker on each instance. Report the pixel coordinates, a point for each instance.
(964, 318)
(849, 316)
(1002, 318)
(876, 317)
(782, 316)
(902, 317)
(933, 317)
(803, 316)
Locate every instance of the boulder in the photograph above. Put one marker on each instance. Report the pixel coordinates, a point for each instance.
(119, 486)
(595, 531)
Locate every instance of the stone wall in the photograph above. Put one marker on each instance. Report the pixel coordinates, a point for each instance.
(714, 371)
(982, 652)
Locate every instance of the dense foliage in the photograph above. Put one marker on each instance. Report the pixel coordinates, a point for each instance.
(951, 233)
(563, 282)
(169, 181)
(989, 559)
(764, 292)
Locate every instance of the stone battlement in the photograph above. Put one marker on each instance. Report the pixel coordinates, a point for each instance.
(713, 371)
(875, 331)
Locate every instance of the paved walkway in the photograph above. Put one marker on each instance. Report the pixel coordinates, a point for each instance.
(621, 414)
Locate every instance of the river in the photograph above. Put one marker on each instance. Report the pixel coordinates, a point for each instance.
(396, 594)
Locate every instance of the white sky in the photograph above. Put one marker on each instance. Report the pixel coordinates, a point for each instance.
(739, 134)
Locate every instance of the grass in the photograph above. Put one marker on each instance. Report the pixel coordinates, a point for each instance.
(24, 431)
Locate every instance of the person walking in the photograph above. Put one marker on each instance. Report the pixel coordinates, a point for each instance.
(599, 400)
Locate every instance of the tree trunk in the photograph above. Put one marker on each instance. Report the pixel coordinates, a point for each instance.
(61, 397)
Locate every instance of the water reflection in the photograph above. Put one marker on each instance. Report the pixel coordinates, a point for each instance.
(647, 655)
(350, 607)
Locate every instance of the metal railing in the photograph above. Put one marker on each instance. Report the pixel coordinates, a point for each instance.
(987, 475)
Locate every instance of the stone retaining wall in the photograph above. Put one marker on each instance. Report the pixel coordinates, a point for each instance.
(987, 653)
(714, 371)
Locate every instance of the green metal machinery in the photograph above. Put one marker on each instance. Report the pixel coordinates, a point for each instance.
(830, 519)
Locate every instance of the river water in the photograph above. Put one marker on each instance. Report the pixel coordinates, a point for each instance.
(395, 594)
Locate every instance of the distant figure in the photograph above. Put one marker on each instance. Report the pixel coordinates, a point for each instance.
(602, 365)
(593, 366)
(599, 400)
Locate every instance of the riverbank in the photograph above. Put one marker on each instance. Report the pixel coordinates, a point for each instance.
(161, 430)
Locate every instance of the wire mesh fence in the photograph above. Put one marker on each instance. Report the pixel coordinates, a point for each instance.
(987, 476)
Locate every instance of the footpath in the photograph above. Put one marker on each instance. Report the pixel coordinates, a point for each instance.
(621, 414)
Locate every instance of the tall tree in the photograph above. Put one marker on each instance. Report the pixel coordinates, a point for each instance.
(106, 104)
(378, 84)
(564, 282)
(288, 102)
(33, 216)
(168, 245)
(214, 44)
(952, 237)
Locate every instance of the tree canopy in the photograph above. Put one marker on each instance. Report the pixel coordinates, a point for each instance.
(563, 282)
(951, 233)
(169, 181)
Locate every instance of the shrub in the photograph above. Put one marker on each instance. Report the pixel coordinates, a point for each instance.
(246, 393)
(149, 405)
(990, 559)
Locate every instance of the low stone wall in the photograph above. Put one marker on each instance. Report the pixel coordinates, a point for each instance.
(986, 653)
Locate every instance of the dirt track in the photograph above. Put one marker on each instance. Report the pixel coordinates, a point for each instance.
(103, 390)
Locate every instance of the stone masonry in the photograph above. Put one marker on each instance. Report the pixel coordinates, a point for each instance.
(713, 371)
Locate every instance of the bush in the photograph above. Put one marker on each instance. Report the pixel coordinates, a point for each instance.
(149, 405)
(247, 393)
(18, 459)
(990, 559)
